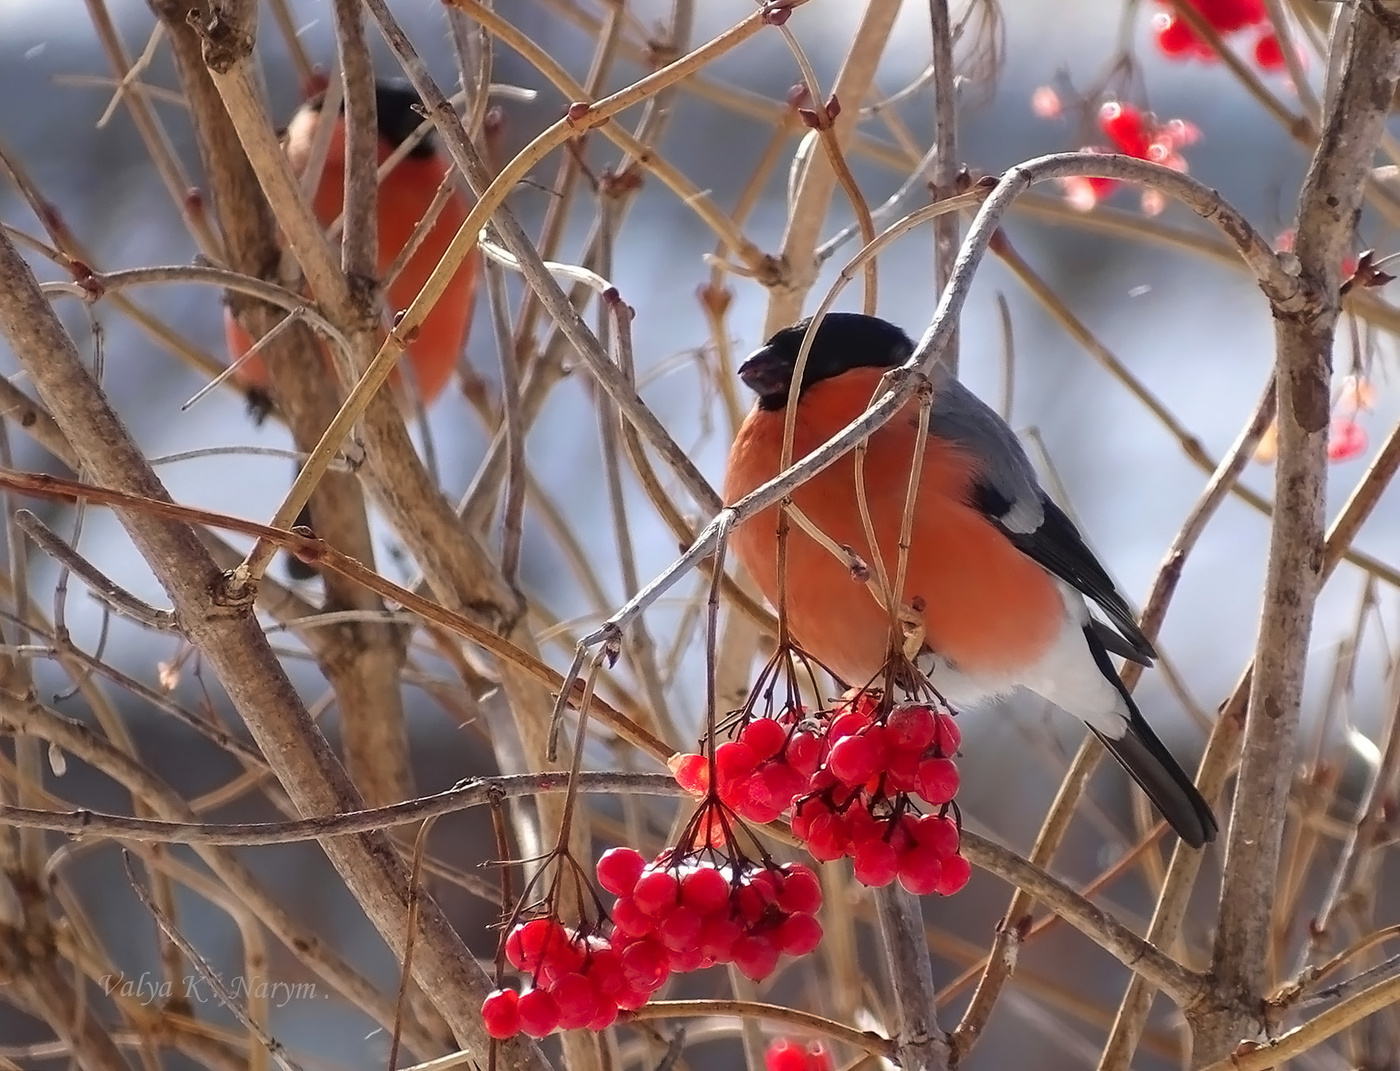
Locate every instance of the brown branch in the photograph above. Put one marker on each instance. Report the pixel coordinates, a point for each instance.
(361, 659)
(473, 793)
(1329, 203)
(22, 715)
(945, 161)
(233, 646)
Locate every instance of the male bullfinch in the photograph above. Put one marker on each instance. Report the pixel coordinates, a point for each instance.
(1001, 571)
(405, 195)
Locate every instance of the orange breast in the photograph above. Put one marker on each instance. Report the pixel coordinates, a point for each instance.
(989, 608)
(404, 199)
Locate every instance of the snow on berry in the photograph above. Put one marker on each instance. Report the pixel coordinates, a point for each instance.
(501, 1013)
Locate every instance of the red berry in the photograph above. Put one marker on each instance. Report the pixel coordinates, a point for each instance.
(1227, 16)
(680, 929)
(705, 890)
(691, 958)
(619, 869)
(1268, 53)
(949, 737)
(1174, 36)
(940, 834)
(783, 782)
(1125, 127)
(876, 864)
(645, 965)
(855, 759)
(657, 892)
(801, 892)
(937, 780)
(902, 770)
(578, 1000)
(539, 1013)
(955, 873)
(818, 1057)
(911, 727)
(785, 1055)
(631, 919)
(531, 943)
(500, 1011)
(804, 753)
(734, 760)
(769, 792)
(756, 957)
(825, 837)
(765, 736)
(847, 724)
(718, 938)
(604, 968)
(861, 827)
(798, 935)
(920, 869)
(692, 773)
(1346, 440)
(752, 899)
(607, 1015)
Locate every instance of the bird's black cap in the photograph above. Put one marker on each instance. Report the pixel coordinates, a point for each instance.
(844, 340)
(398, 113)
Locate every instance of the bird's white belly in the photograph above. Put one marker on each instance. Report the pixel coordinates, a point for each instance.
(1066, 674)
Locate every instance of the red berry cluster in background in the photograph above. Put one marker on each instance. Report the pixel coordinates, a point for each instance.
(786, 1054)
(682, 912)
(1129, 131)
(1346, 438)
(851, 775)
(1177, 40)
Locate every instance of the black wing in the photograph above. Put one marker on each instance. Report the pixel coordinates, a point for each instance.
(1057, 546)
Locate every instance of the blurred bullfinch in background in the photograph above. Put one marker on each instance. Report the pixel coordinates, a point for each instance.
(405, 195)
(1002, 572)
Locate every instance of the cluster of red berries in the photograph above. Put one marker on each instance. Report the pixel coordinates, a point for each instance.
(680, 913)
(858, 805)
(1132, 132)
(705, 908)
(785, 1054)
(760, 772)
(1177, 40)
(580, 980)
(849, 774)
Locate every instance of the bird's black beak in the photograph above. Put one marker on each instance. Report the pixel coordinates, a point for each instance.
(767, 374)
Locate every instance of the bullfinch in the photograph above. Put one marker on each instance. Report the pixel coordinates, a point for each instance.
(405, 195)
(1001, 571)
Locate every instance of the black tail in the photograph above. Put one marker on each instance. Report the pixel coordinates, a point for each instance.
(1152, 766)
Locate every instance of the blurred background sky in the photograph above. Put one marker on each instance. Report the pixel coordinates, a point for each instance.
(1197, 334)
